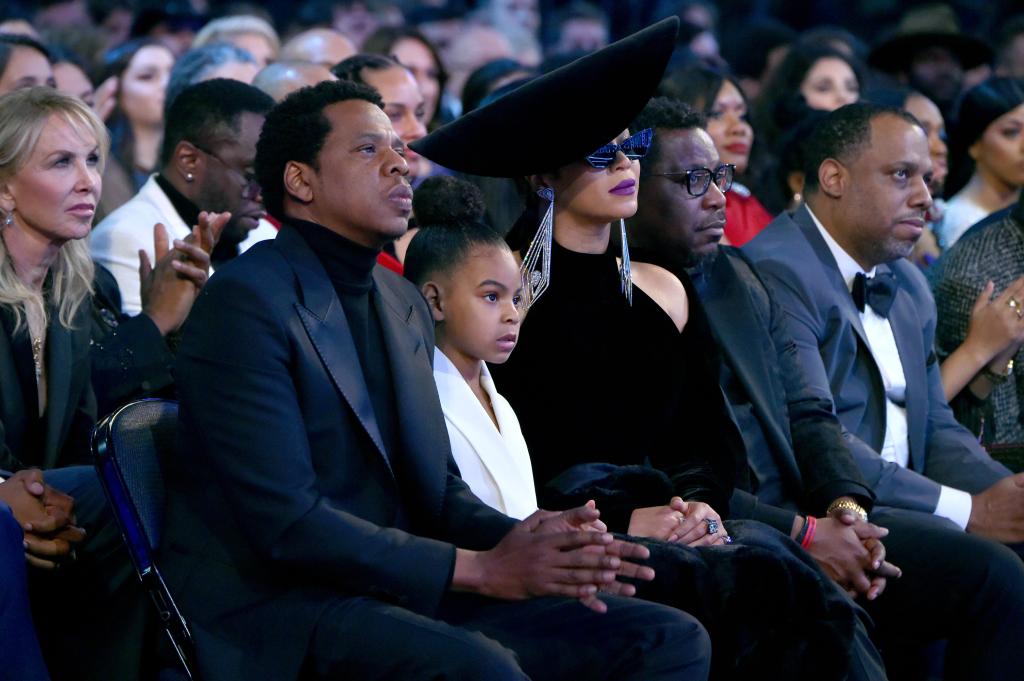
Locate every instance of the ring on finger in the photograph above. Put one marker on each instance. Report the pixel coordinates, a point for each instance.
(712, 525)
(1016, 307)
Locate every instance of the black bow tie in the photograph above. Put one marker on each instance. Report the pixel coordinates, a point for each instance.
(879, 291)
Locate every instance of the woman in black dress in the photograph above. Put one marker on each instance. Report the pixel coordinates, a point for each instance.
(615, 390)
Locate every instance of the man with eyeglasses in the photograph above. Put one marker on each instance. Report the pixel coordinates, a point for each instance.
(206, 164)
(799, 453)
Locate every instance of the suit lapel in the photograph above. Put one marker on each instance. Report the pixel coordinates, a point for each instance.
(835, 278)
(730, 313)
(325, 323)
(12, 405)
(423, 438)
(907, 333)
(58, 386)
(464, 411)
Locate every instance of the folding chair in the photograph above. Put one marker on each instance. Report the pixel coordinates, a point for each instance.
(128, 447)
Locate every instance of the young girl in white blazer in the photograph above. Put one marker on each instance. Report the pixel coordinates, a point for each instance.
(471, 282)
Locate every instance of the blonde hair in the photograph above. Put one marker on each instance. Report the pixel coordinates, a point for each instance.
(23, 116)
(221, 30)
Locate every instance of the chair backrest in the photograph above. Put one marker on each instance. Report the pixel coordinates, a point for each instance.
(129, 446)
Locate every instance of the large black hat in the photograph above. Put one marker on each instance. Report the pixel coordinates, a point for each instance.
(559, 117)
(923, 27)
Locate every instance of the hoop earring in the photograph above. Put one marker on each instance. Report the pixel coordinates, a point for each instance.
(536, 267)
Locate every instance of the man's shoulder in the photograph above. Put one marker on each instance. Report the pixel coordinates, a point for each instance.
(135, 217)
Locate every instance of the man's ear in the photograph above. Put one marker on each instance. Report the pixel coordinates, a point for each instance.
(832, 178)
(298, 181)
(186, 160)
(432, 292)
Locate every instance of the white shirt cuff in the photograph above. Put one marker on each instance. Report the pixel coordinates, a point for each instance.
(955, 505)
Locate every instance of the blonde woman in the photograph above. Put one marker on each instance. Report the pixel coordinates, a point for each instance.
(52, 149)
(252, 34)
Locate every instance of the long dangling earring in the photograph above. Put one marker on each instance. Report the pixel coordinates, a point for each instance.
(536, 267)
(625, 275)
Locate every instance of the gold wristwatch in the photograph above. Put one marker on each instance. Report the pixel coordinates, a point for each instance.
(847, 505)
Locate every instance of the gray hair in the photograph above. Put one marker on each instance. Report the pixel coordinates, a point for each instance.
(193, 66)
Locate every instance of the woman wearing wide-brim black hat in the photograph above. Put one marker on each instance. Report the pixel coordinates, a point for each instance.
(613, 378)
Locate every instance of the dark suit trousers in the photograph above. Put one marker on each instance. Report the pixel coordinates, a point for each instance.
(91, 614)
(545, 639)
(955, 586)
(19, 651)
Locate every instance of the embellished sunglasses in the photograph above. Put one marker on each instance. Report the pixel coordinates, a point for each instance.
(698, 180)
(634, 147)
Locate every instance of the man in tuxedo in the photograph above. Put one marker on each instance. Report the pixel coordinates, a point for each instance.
(862, 323)
(315, 487)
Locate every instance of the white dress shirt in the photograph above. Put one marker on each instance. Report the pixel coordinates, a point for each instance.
(953, 504)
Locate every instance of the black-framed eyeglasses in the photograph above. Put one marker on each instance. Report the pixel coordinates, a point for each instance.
(635, 147)
(250, 187)
(698, 180)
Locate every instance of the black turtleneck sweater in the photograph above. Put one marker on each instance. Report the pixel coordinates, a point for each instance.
(350, 266)
(227, 245)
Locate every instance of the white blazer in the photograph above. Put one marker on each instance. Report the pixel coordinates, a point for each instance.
(115, 242)
(494, 463)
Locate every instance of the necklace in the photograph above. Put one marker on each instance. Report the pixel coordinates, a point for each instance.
(37, 356)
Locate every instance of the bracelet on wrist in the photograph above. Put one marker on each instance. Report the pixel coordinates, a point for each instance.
(812, 524)
(995, 377)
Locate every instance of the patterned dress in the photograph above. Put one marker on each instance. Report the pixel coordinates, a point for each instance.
(991, 250)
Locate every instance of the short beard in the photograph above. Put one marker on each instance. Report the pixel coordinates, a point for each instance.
(889, 250)
(702, 262)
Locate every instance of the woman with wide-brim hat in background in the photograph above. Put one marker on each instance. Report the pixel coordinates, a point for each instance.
(613, 383)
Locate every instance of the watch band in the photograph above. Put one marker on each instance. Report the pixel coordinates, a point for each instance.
(847, 505)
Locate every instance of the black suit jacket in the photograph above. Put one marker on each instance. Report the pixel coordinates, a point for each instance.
(804, 436)
(70, 406)
(282, 500)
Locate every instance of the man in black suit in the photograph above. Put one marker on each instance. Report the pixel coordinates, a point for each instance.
(799, 464)
(316, 521)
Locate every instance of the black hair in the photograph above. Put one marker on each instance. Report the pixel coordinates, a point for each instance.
(115, 62)
(843, 134)
(351, 69)
(295, 130)
(207, 114)
(784, 86)
(450, 212)
(481, 82)
(1013, 27)
(10, 41)
(748, 52)
(979, 107)
(698, 86)
(383, 41)
(665, 113)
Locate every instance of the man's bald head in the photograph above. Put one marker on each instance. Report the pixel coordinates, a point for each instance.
(282, 78)
(318, 45)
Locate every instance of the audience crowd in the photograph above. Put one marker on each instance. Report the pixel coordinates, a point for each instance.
(518, 339)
